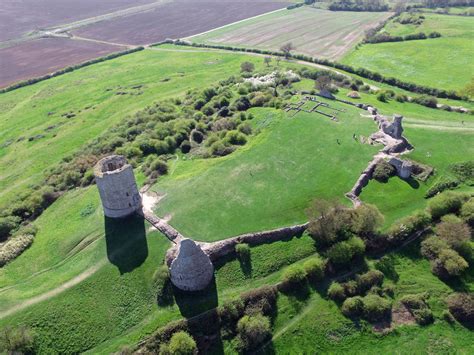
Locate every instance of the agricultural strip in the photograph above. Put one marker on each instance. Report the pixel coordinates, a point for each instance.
(312, 31)
(43, 56)
(175, 20)
(17, 18)
(444, 62)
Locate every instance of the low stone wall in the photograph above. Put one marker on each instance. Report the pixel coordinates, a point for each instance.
(222, 248)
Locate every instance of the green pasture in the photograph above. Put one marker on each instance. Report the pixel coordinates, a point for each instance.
(440, 62)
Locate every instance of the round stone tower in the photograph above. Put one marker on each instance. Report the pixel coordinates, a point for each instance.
(117, 187)
(192, 270)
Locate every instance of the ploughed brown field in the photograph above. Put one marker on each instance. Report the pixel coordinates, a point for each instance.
(42, 56)
(175, 20)
(18, 17)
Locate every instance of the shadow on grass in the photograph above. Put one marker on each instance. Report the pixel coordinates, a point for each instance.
(126, 242)
(414, 184)
(297, 294)
(194, 303)
(246, 265)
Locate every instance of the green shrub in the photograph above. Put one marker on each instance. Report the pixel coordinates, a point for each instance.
(235, 137)
(185, 146)
(386, 265)
(247, 67)
(405, 227)
(336, 292)
(444, 203)
(426, 100)
(366, 219)
(242, 250)
(294, 274)
(383, 171)
(16, 340)
(314, 268)
(369, 279)
(353, 307)
(343, 252)
(467, 212)
(231, 311)
(461, 306)
(159, 166)
(8, 225)
(253, 331)
(350, 288)
(448, 264)
(432, 246)
(181, 343)
(446, 184)
(376, 308)
(464, 171)
(454, 231)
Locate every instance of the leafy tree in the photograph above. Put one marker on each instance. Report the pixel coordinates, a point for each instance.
(467, 212)
(7, 225)
(445, 203)
(366, 219)
(369, 279)
(247, 67)
(449, 264)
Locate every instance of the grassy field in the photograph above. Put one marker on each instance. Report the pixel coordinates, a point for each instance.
(37, 111)
(271, 182)
(312, 31)
(88, 284)
(424, 62)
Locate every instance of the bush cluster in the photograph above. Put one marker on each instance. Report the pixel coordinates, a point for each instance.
(385, 37)
(417, 306)
(445, 203)
(461, 306)
(181, 343)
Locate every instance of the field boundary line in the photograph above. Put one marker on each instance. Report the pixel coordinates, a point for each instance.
(236, 22)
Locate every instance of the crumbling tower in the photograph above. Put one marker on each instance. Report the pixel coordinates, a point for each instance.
(117, 187)
(192, 270)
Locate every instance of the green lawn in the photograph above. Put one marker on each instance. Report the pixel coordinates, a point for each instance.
(441, 62)
(270, 182)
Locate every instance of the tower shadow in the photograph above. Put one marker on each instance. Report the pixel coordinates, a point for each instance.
(126, 242)
(191, 304)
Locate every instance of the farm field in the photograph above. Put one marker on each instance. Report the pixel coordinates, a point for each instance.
(20, 17)
(167, 21)
(313, 32)
(46, 55)
(413, 60)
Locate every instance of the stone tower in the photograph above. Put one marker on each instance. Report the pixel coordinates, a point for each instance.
(117, 187)
(192, 270)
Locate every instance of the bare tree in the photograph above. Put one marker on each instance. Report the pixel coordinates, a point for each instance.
(247, 67)
(287, 48)
(278, 60)
(267, 61)
(323, 82)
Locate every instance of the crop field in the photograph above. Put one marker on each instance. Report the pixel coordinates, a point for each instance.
(313, 32)
(43, 56)
(20, 17)
(414, 60)
(167, 21)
